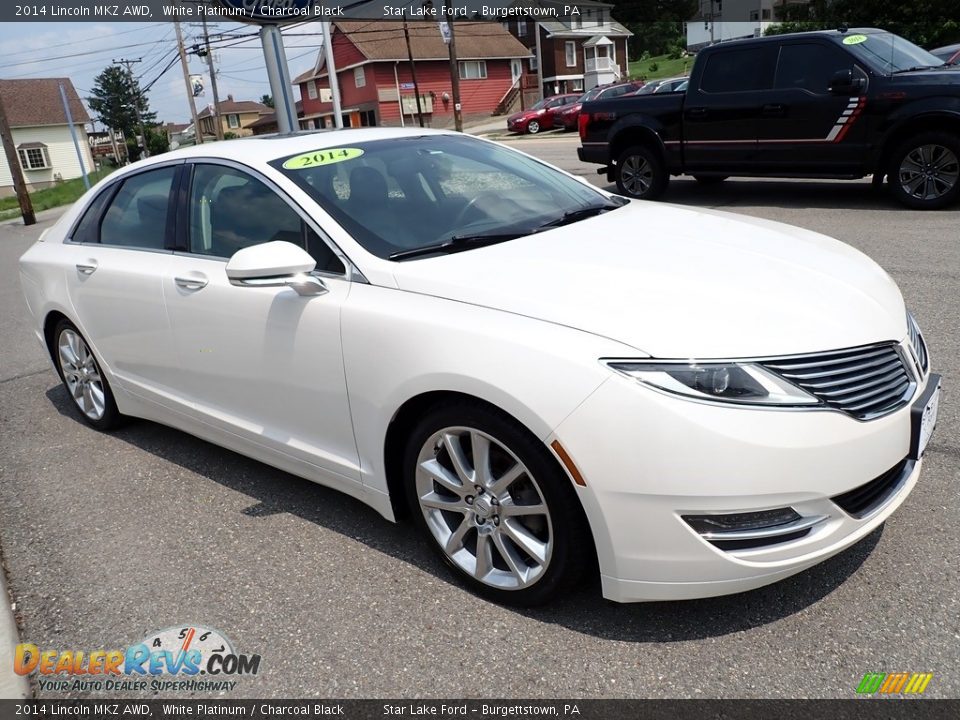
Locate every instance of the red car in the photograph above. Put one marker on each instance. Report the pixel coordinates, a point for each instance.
(539, 117)
(571, 114)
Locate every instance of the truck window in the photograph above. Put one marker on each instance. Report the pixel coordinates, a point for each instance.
(735, 71)
(809, 66)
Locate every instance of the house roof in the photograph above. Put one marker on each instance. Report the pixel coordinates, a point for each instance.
(236, 106)
(36, 101)
(384, 42)
(555, 28)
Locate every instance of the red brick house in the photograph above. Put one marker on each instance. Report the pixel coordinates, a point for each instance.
(375, 82)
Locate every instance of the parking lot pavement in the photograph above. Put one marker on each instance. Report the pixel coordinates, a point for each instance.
(108, 537)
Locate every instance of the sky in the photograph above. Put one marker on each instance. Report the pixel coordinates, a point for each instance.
(38, 49)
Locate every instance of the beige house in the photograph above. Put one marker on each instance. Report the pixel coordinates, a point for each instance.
(41, 134)
(236, 116)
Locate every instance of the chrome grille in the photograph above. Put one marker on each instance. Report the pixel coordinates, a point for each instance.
(916, 342)
(863, 382)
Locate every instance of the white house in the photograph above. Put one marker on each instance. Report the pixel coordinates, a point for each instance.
(41, 134)
(718, 20)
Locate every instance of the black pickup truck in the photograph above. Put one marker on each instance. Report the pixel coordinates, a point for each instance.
(826, 104)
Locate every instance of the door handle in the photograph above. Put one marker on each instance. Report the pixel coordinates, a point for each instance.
(87, 268)
(697, 112)
(774, 110)
(197, 282)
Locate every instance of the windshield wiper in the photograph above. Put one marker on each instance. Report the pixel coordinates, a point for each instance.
(572, 216)
(455, 244)
(917, 67)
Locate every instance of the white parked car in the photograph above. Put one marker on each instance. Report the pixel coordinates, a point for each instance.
(552, 380)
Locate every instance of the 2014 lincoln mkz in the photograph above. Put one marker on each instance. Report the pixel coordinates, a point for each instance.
(551, 380)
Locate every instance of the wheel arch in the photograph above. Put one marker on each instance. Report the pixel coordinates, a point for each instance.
(925, 122)
(636, 135)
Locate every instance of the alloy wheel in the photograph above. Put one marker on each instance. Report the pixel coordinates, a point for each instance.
(636, 174)
(533, 127)
(81, 374)
(928, 172)
(484, 508)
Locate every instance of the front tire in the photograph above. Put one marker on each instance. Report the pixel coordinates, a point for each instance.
(83, 378)
(533, 127)
(924, 171)
(495, 506)
(640, 173)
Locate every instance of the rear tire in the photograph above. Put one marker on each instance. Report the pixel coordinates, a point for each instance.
(83, 377)
(513, 530)
(640, 173)
(924, 171)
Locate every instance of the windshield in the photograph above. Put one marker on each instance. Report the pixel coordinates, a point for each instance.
(889, 53)
(650, 87)
(410, 192)
(540, 105)
(589, 95)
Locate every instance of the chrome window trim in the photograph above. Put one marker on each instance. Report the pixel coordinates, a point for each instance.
(351, 271)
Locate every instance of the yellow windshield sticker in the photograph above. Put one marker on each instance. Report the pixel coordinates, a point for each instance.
(854, 39)
(321, 157)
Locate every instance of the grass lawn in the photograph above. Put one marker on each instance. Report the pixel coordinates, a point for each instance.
(62, 194)
(665, 67)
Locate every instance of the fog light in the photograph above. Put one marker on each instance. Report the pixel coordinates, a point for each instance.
(720, 525)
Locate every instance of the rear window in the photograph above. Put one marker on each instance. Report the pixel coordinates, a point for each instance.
(735, 71)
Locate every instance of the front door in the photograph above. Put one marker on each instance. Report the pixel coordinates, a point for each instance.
(720, 114)
(805, 128)
(262, 363)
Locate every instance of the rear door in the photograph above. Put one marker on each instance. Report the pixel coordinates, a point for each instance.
(721, 111)
(803, 128)
(116, 256)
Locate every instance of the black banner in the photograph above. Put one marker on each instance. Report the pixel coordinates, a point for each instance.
(889, 709)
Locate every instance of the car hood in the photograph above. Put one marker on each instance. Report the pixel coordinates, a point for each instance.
(679, 283)
(524, 115)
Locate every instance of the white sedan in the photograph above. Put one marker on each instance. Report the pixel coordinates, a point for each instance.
(553, 381)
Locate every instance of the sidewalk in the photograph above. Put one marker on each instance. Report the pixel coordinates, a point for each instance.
(12, 686)
(42, 216)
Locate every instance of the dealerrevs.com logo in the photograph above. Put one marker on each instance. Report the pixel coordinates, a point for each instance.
(187, 658)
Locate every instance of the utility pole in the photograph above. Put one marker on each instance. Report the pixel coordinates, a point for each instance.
(413, 72)
(19, 184)
(134, 87)
(454, 69)
(186, 80)
(218, 125)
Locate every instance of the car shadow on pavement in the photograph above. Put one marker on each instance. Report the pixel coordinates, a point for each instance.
(273, 491)
(749, 192)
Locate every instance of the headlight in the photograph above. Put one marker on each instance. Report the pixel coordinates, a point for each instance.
(740, 383)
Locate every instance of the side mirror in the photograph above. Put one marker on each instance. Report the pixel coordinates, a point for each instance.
(845, 82)
(275, 264)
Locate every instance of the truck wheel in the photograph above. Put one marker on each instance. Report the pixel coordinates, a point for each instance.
(925, 171)
(710, 179)
(640, 173)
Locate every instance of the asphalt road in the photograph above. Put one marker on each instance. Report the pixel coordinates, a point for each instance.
(109, 537)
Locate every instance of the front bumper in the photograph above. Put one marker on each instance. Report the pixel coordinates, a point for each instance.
(648, 458)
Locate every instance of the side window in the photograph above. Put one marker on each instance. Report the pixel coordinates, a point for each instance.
(137, 216)
(231, 210)
(735, 71)
(88, 229)
(809, 66)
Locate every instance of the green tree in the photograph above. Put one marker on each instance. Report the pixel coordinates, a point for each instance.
(657, 25)
(928, 23)
(115, 98)
(266, 100)
(157, 140)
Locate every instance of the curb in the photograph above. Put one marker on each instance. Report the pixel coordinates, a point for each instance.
(12, 686)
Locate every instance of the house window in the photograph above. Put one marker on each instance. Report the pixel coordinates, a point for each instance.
(571, 48)
(533, 64)
(473, 70)
(577, 85)
(359, 77)
(312, 89)
(233, 120)
(521, 28)
(34, 156)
